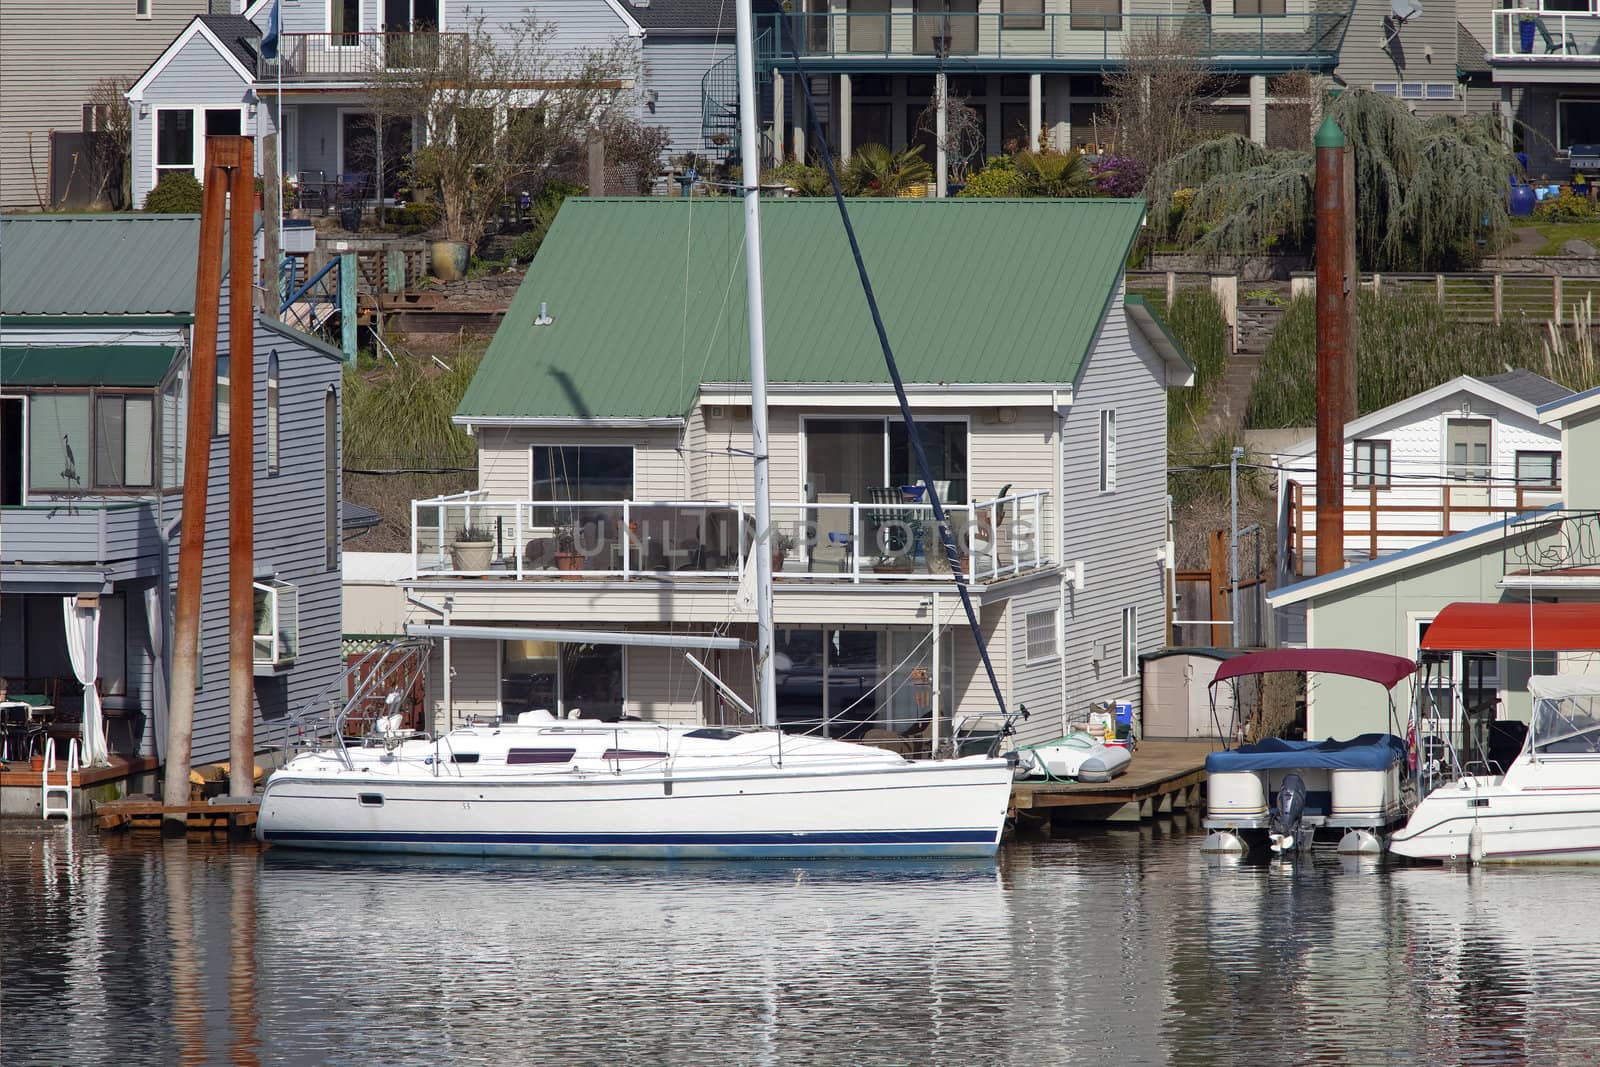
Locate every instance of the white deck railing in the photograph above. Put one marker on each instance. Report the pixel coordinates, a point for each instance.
(699, 539)
(1553, 36)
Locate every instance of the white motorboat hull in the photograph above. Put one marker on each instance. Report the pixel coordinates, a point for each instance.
(1553, 824)
(880, 809)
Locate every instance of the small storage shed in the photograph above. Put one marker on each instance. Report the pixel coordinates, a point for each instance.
(1176, 703)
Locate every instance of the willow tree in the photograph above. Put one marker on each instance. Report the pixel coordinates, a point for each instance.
(1430, 193)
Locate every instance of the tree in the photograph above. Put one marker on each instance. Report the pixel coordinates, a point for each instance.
(1430, 193)
(112, 138)
(964, 135)
(1160, 92)
(498, 112)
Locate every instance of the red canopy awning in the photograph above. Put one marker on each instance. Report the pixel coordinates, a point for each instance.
(1378, 667)
(1524, 627)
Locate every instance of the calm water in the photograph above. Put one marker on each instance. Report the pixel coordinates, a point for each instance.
(1106, 947)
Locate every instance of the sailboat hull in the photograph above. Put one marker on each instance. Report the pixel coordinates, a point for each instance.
(945, 808)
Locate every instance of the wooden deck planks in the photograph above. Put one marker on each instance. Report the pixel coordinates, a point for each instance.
(147, 814)
(1159, 770)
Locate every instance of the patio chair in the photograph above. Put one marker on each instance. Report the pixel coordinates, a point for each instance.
(891, 524)
(1568, 46)
(993, 519)
(352, 188)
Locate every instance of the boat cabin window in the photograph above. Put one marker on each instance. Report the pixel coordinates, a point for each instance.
(540, 755)
(713, 733)
(1567, 724)
(463, 757)
(632, 753)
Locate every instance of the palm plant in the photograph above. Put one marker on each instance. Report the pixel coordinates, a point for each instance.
(1051, 173)
(876, 171)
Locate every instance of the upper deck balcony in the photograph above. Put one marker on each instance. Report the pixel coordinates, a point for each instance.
(1552, 548)
(356, 57)
(1560, 34)
(1307, 33)
(120, 534)
(636, 540)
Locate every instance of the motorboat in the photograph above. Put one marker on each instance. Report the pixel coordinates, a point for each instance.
(543, 786)
(1544, 807)
(1077, 757)
(538, 785)
(1281, 792)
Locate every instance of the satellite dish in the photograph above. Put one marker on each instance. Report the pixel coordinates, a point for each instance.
(1405, 10)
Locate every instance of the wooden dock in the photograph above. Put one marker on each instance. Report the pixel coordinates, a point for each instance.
(1164, 777)
(147, 813)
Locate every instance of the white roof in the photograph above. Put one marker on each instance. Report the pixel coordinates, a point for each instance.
(1464, 383)
(376, 566)
(1557, 686)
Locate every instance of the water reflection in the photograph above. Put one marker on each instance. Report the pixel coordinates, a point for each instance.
(1106, 945)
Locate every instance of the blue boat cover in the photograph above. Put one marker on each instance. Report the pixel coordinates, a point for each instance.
(1369, 752)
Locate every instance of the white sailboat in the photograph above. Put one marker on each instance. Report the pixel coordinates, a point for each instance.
(585, 788)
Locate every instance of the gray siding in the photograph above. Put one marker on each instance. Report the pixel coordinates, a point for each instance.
(579, 24)
(289, 532)
(315, 129)
(51, 54)
(1364, 60)
(673, 67)
(197, 77)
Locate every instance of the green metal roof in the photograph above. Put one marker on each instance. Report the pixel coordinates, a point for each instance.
(98, 265)
(80, 365)
(647, 301)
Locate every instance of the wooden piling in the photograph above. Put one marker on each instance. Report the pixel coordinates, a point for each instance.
(241, 474)
(1332, 333)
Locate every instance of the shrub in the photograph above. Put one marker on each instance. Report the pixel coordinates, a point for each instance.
(1120, 176)
(415, 217)
(1568, 207)
(177, 193)
(998, 177)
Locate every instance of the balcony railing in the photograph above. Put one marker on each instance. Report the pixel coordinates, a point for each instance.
(632, 540)
(356, 56)
(72, 531)
(1552, 36)
(1555, 543)
(1313, 35)
(1386, 519)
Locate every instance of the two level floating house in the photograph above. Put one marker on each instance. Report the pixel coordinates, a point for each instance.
(612, 412)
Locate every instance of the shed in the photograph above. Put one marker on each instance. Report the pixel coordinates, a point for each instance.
(1175, 683)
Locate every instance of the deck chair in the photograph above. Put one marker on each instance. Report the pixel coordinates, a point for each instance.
(1568, 46)
(991, 520)
(891, 523)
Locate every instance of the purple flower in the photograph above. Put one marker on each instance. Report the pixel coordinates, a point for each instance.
(1119, 176)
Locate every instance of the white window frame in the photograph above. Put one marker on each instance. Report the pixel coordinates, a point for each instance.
(1555, 467)
(1053, 618)
(270, 649)
(1130, 641)
(1108, 450)
(1371, 474)
(144, 10)
(1448, 87)
(1386, 88)
(361, 22)
(836, 416)
(560, 710)
(633, 489)
(198, 131)
(1413, 91)
(274, 414)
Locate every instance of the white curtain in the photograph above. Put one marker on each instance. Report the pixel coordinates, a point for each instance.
(83, 646)
(157, 735)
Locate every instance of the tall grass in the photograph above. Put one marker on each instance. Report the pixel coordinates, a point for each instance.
(1196, 321)
(399, 416)
(1407, 343)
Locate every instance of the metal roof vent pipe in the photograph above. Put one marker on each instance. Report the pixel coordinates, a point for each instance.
(544, 318)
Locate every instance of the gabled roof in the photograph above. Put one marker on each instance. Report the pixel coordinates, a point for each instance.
(645, 299)
(1471, 58)
(238, 35)
(1570, 406)
(242, 60)
(1513, 390)
(98, 265)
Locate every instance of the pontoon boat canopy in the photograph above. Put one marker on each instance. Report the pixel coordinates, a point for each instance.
(1467, 627)
(1378, 667)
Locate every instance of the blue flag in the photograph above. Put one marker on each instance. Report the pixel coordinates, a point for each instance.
(269, 40)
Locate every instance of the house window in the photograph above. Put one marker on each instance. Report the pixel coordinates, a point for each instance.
(1577, 121)
(277, 623)
(1540, 470)
(174, 426)
(58, 442)
(1043, 635)
(330, 478)
(1023, 14)
(124, 441)
(1258, 7)
(141, 9)
(1441, 91)
(219, 426)
(1100, 15)
(562, 678)
(1386, 88)
(344, 16)
(1130, 642)
(272, 413)
(563, 473)
(1411, 91)
(1108, 451)
(1371, 464)
(174, 140)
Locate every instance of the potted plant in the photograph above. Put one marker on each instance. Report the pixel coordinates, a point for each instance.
(473, 549)
(782, 545)
(568, 558)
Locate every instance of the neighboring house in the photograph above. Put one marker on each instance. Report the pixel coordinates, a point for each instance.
(51, 55)
(1443, 461)
(95, 319)
(1546, 556)
(612, 413)
(1546, 79)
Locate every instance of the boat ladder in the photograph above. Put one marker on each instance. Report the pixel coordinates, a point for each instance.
(63, 789)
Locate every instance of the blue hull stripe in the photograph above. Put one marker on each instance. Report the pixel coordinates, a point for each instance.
(732, 841)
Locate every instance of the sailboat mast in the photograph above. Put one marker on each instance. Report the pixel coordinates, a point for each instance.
(750, 179)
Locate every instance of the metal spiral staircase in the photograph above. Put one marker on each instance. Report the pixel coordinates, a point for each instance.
(719, 101)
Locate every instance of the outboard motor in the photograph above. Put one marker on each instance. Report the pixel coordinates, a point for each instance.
(1285, 830)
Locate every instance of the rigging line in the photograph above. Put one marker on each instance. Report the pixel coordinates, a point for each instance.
(899, 388)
